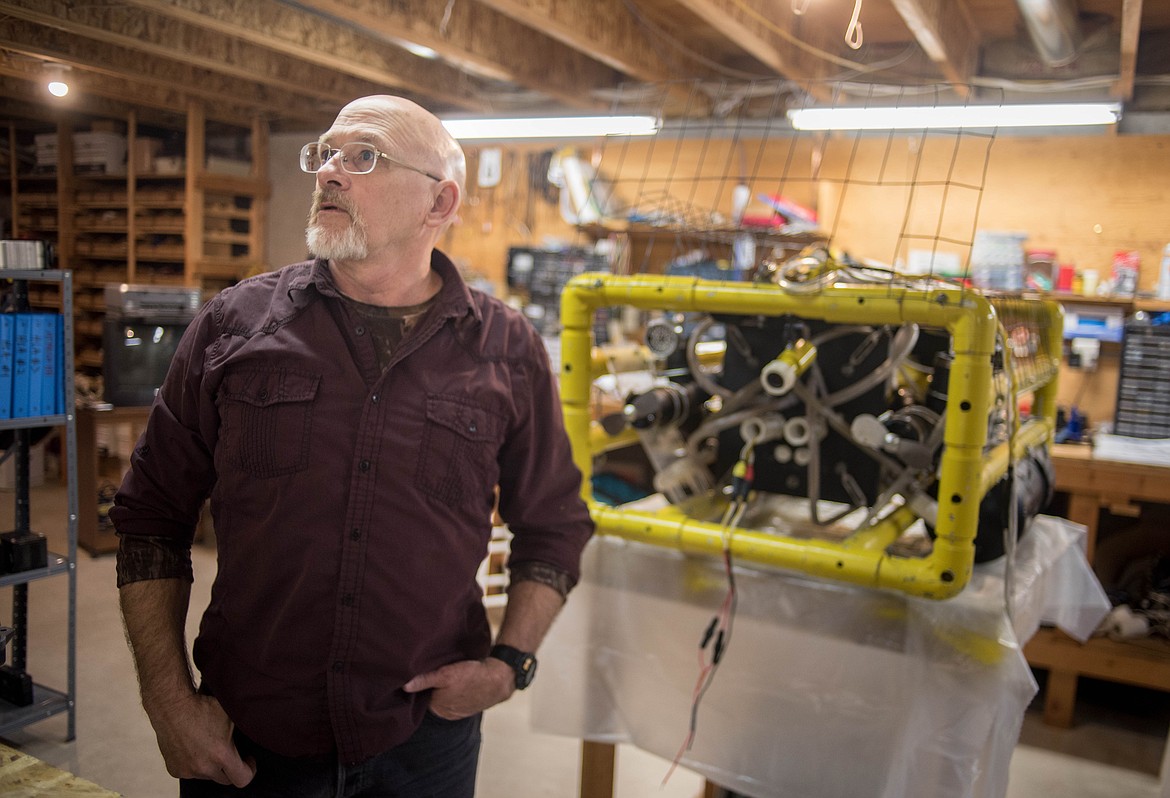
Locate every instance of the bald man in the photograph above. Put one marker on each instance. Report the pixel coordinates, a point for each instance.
(350, 418)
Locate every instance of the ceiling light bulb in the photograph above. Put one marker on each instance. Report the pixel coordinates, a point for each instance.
(55, 74)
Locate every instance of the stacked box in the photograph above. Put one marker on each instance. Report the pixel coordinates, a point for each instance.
(997, 260)
(1143, 388)
(94, 152)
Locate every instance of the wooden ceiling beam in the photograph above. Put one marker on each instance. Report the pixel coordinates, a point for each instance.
(25, 98)
(123, 24)
(305, 37)
(102, 58)
(602, 28)
(485, 41)
(1131, 24)
(946, 32)
(771, 33)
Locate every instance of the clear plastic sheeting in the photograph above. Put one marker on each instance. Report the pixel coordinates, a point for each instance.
(826, 690)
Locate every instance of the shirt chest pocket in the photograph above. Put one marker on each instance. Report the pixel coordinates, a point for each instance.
(457, 459)
(267, 419)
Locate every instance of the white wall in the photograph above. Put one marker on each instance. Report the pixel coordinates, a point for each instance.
(288, 207)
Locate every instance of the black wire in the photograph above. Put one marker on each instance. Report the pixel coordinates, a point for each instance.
(722, 643)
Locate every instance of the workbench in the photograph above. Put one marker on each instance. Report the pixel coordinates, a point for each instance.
(1093, 485)
(826, 689)
(25, 776)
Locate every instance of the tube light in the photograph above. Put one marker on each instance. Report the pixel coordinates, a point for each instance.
(551, 127)
(957, 116)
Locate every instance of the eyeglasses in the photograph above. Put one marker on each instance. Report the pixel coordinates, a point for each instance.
(357, 158)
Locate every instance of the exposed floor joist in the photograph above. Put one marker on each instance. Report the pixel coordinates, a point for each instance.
(93, 59)
(945, 31)
(1131, 23)
(482, 39)
(262, 27)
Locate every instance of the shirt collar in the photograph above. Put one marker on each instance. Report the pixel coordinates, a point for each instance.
(454, 298)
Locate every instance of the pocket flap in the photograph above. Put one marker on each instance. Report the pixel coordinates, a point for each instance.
(264, 387)
(472, 423)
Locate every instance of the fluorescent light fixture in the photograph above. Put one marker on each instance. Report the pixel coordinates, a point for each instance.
(955, 116)
(551, 127)
(421, 50)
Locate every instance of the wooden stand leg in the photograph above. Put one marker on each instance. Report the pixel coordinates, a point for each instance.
(1085, 509)
(1060, 698)
(597, 769)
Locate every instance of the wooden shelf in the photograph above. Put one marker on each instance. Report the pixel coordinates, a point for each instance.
(1093, 485)
(179, 228)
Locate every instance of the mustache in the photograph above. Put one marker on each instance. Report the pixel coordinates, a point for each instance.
(323, 198)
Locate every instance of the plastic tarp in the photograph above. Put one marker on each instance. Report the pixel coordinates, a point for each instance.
(826, 690)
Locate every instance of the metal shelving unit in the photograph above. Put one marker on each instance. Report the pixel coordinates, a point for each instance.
(46, 701)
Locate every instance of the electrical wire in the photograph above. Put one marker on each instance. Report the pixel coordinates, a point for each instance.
(1012, 529)
(824, 55)
(854, 37)
(717, 636)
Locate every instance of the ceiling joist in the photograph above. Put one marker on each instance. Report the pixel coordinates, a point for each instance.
(944, 30)
(483, 40)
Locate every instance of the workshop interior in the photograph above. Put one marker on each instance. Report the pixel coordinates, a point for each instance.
(858, 311)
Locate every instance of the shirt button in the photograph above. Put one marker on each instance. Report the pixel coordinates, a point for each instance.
(364, 465)
(338, 666)
(359, 330)
(355, 533)
(347, 600)
(374, 398)
(263, 394)
(471, 427)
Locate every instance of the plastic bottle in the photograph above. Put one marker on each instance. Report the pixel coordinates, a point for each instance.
(1164, 275)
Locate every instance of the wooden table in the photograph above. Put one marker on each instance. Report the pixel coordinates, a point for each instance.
(24, 776)
(90, 534)
(1093, 485)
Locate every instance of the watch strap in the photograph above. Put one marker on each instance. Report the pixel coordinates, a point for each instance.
(523, 663)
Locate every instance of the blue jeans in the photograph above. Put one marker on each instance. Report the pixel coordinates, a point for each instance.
(438, 761)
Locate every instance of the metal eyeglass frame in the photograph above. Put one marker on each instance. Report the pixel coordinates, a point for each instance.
(348, 152)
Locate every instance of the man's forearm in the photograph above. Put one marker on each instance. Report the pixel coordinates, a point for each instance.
(531, 609)
(154, 612)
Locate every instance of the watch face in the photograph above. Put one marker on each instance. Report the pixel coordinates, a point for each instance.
(525, 672)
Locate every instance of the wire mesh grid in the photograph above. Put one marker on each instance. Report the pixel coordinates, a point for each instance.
(727, 184)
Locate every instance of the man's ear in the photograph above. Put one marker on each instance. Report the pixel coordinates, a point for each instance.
(445, 209)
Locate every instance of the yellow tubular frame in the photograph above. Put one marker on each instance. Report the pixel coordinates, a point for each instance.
(966, 471)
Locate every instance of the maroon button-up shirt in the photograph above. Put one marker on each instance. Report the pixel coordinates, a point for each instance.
(352, 506)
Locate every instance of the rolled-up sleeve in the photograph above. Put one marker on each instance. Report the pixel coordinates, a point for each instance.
(540, 485)
(157, 507)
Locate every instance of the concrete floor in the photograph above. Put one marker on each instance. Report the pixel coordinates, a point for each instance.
(1113, 751)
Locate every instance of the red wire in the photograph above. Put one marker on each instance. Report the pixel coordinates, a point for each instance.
(706, 669)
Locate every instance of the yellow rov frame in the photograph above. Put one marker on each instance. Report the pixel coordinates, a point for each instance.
(966, 471)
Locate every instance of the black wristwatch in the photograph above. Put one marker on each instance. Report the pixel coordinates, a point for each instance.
(523, 663)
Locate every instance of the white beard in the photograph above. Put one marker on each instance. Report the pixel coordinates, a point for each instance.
(346, 244)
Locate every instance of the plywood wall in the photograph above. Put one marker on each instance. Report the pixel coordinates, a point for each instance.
(1084, 196)
(650, 176)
